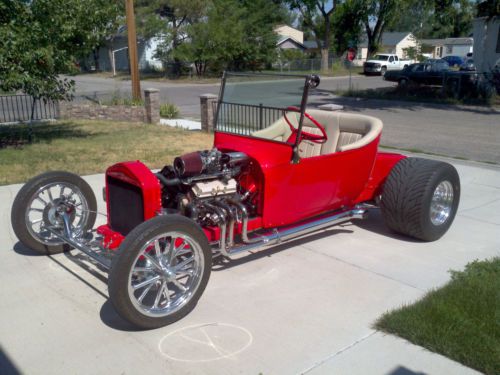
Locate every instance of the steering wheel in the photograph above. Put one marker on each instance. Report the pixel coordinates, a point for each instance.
(305, 135)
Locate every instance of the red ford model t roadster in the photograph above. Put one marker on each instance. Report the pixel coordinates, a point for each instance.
(278, 170)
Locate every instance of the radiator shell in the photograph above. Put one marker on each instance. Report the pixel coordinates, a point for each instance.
(133, 195)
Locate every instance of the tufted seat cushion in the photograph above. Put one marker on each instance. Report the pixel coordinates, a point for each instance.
(345, 131)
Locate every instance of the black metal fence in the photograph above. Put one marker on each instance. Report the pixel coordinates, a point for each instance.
(245, 118)
(18, 108)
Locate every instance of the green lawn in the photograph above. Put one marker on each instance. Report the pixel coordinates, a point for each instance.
(460, 320)
(86, 147)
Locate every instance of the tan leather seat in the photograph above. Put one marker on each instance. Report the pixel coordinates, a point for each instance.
(345, 131)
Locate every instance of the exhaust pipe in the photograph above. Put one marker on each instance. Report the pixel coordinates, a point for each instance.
(276, 236)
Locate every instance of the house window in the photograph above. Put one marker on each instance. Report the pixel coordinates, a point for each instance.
(449, 49)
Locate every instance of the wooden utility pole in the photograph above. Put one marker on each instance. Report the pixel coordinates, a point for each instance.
(132, 50)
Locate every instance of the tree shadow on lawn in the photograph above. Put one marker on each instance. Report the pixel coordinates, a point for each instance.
(393, 101)
(18, 135)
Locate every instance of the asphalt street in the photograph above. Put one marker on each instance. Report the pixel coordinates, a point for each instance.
(464, 132)
(306, 307)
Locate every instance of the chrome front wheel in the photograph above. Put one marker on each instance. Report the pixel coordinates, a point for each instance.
(43, 200)
(160, 271)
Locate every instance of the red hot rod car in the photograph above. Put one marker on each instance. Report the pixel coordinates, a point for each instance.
(278, 170)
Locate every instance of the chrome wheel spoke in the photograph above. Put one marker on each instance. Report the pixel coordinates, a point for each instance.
(159, 294)
(179, 285)
(171, 250)
(157, 249)
(38, 198)
(146, 282)
(49, 193)
(166, 293)
(142, 269)
(189, 272)
(153, 261)
(183, 264)
(145, 292)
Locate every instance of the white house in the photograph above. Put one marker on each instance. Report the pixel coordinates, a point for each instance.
(391, 42)
(432, 47)
(117, 49)
(457, 46)
(289, 38)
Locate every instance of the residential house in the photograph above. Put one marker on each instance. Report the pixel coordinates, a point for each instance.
(116, 50)
(289, 38)
(457, 47)
(391, 42)
(432, 48)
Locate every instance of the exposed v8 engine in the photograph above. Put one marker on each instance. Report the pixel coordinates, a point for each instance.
(204, 186)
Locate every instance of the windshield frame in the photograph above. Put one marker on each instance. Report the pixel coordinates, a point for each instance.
(308, 81)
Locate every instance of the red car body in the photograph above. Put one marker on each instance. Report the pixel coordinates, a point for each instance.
(314, 186)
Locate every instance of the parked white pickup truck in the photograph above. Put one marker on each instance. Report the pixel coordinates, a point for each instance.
(381, 63)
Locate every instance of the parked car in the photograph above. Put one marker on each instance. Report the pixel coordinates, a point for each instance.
(454, 60)
(428, 73)
(468, 66)
(383, 62)
(278, 170)
(437, 61)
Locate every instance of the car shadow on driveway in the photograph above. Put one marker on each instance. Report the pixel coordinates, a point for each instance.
(375, 223)
(222, 263)
(110, 318)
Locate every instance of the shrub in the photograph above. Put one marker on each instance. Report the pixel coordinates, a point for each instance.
(169, 110)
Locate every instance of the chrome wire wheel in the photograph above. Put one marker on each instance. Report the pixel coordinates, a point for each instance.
(166, 274)
(44, 209)
(441, 203)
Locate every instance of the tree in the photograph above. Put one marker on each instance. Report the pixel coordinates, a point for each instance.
(377, 16)
(316, 16)
(39, 41)
(451, 18)
(347, 26)
(169, 20)
(435, 18)
(234, 35)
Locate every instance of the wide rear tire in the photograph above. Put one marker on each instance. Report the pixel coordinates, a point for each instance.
(420, 198)
(160, 271)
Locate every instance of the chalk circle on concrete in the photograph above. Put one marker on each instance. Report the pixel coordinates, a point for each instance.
(205, 342)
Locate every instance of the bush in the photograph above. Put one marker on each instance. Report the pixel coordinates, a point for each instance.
(169, 110)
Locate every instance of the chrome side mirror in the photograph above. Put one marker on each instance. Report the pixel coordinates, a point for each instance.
(314, 81)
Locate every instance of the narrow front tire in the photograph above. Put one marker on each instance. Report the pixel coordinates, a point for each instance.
(160, 271)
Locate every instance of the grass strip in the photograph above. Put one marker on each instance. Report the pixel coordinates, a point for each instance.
(87, 147)
(460, 320)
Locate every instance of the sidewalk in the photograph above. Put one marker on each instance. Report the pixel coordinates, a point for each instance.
(306, 307)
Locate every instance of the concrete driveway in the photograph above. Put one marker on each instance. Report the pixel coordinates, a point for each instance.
(307, 307)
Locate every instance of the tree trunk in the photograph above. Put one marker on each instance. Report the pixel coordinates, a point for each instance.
(96, 58)
(324, 60)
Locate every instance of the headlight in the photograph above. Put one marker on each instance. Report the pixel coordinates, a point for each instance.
(376, 66)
